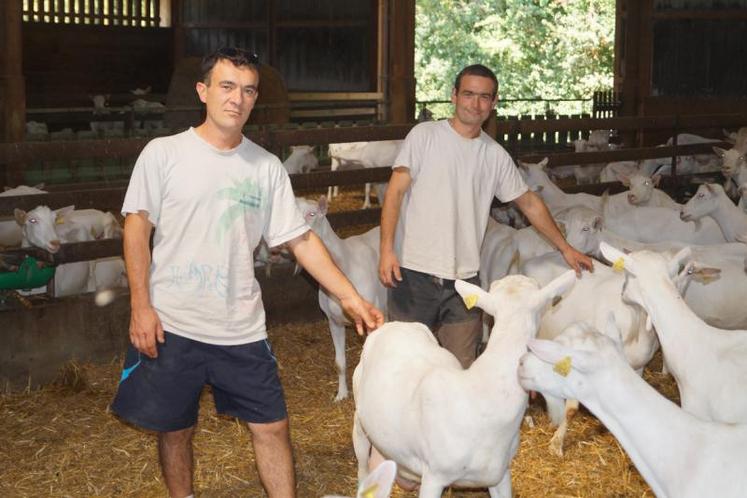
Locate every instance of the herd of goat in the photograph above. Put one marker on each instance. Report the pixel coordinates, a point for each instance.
(675, 280)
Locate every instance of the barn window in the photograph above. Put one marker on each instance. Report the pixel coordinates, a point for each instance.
(134, 13)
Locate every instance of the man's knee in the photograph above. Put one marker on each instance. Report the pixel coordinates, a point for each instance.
(461, 339)
(177, 438)
(270, 430)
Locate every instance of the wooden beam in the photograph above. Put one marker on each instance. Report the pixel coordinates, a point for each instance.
(401, 49)
(325, 96)
(12, 85)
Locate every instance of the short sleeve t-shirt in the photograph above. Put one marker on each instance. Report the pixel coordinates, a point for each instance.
(210, 208)
(445, 213)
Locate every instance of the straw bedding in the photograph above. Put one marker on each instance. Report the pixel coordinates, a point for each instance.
(61, 440)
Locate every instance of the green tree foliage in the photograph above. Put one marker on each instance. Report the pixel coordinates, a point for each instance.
(539, 48)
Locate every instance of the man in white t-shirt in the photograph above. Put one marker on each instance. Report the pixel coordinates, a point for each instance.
(197, 315)
(442, 184)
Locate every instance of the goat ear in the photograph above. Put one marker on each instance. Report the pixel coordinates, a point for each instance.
(562, 228)
(39, 185)
(624, 179)
(563, 358)
(63, 211)
(543, 163)
(379, 483)
(656, 179)
(598, 223)
(679, 259)
(710, 188)
(472, 295)
(558, 286)
(706, 275)
(20, 216)
(618, 258)
(719, 151)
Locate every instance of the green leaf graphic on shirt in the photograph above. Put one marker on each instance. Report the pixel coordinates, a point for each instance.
(246, 197)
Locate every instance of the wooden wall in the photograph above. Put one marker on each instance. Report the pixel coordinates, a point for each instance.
(681, 56)
(62, 64)
(325, 45)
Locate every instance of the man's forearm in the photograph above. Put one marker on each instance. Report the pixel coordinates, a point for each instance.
(137, 262)
(539, 216)
(389, 218)
(311, 253)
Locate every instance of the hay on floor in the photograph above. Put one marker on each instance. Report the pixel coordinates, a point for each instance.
(62, 441)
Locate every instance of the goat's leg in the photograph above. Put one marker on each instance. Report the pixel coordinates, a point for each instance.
(337, 330)
(431, 487)
(367, 197)
(362, 448)
(556, 443)
(503, 488)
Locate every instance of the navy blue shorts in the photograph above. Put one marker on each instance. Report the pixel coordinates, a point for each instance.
(163, 394)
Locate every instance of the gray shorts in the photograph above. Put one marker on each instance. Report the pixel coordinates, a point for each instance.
(433, 301)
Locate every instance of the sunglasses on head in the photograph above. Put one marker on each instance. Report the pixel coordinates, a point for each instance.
(251, 57)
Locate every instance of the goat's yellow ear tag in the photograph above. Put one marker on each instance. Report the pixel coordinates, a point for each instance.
(60, 220)
(470, 301)
(618, 265)
(563, 367)
(370, 492)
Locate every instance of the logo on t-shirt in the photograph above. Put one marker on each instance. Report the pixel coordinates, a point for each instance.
(246, 199)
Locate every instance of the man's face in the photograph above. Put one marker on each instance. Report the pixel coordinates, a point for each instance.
(230, 96)
(474, 100)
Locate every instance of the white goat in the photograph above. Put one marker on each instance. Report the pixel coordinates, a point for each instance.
(444, 425)
(47, 229)
(711, 200)
(302, 159)
(737, 138)
(10, 231)
(337, 155)
(658, 224)
(718, 283)
(369, 155)
(642, 191)
(715, 390)
(358, 258)
(676, 453)
(614, 170)
(594, 297)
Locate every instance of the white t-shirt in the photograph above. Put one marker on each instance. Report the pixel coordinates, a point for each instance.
(210, 208)
(445, 211)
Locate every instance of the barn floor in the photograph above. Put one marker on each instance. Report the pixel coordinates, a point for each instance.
(61, 440)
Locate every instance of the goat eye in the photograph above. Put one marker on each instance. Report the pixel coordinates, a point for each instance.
(32, 220)
(586, 229)
(700, 196)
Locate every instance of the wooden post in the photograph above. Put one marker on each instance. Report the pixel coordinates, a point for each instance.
(401, 84)
(12, 85)
(177, 24)
(630, 66)
(490, 126)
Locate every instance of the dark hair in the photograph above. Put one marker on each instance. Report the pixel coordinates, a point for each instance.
(237, 56)
(476, 70)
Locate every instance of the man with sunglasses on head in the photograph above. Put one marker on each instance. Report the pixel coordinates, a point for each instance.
(197, 315)
(440, 191)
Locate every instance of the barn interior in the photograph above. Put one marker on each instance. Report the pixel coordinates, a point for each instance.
(333, 71)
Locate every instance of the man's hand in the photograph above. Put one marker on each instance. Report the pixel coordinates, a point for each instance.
(145, 329)
(577, 260)
(389, 272)
(362, 313)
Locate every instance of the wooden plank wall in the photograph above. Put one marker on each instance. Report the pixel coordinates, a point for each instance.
(63, 63)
